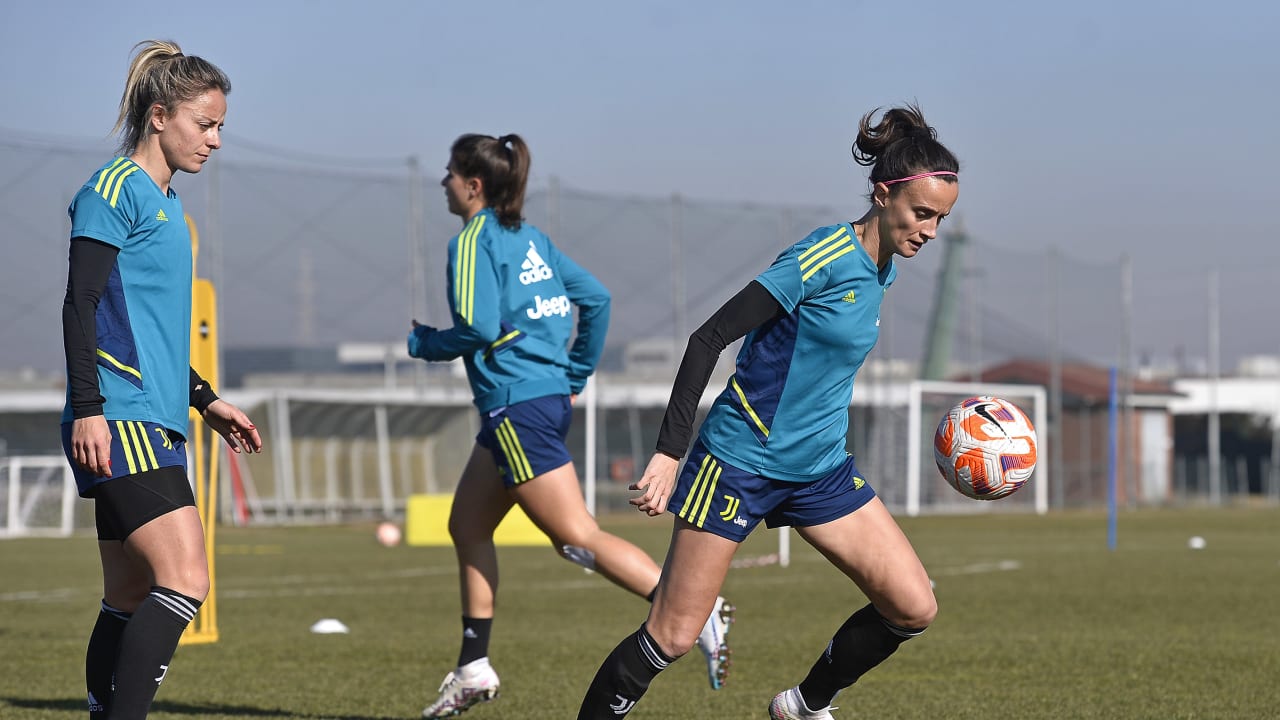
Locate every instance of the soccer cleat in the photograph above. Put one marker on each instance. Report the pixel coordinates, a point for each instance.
(789, 705)
(469, 685)
(714, 645)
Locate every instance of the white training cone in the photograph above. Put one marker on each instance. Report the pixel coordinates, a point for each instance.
(329, 626)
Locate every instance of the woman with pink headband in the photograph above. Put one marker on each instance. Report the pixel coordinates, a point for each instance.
(772, 447)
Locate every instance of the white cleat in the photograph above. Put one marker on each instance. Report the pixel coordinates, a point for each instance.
(714, 645)
(789, 705)
(469, 685)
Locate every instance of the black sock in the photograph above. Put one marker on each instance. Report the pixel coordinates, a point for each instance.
(624, 677)
(100, 658)
(475, 639)
(863, 642)
(146, 648)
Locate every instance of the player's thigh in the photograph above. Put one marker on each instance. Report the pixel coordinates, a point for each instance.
(868, 546)
(692, 576)
(553, 501)
(480, 500)
(172, 546)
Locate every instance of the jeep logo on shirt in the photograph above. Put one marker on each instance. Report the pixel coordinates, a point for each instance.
(559, 305)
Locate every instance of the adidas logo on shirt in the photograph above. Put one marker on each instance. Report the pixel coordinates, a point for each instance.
(535, 268)
(850, 297)
(161, 216)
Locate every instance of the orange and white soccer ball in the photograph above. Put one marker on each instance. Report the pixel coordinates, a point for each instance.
(985, 447)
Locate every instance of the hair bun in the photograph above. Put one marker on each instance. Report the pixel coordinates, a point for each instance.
(920, 132)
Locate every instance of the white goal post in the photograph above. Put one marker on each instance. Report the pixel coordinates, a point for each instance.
(38, 496)
(918, 432)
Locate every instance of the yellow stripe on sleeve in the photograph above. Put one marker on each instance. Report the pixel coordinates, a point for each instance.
(115, 193)
(818, 247)
(843, 251)
(824, 251)
(102, 176)
(123, 434)
(505, 338)
(465, 270)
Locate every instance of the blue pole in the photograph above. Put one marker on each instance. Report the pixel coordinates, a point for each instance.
(1113, 413)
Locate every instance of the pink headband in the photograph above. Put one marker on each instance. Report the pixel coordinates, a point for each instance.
(921, 175)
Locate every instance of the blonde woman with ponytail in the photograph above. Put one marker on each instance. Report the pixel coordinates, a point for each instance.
(126, 321)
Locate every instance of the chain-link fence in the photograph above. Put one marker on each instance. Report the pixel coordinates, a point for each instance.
(308, 254)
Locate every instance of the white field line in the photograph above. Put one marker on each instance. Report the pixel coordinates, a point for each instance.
(279, 586)
(334, 584)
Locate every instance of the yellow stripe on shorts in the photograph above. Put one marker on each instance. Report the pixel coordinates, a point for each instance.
(710, 494)
(137, 447)
(123, 434)
(146, 442)
(519, 462)
(698, 490)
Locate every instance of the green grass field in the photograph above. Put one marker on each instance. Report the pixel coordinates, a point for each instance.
(1038, 620)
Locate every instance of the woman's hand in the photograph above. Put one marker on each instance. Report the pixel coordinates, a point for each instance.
(91, 445)
(656, 484)
(417, 336)
(234, 426)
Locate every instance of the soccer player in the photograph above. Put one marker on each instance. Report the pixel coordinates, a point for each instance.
(772, 447)
(126, 323)
(512, 294)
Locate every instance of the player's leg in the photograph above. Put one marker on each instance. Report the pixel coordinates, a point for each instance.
(125, 585)
(163, 541)
(479, 505)
(867, 545)
(480, 502)
(696, 566)
(554, 502)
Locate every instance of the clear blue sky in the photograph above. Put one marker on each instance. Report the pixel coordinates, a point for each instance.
(1099, 127)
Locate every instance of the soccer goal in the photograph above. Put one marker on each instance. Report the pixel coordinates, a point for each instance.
(928, 400)
(37, 496)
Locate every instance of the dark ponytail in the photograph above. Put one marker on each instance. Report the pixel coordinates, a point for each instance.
(502, 170)
(902, 144)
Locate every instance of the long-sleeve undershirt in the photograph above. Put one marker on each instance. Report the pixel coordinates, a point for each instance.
(89, 268)
(752, 307)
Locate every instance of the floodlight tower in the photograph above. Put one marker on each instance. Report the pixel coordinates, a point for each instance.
(942, 317)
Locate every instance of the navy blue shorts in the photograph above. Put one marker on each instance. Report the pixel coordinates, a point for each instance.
(730, 502)
(136, 447)
(527, 439)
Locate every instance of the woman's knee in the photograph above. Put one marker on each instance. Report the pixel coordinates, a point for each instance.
(584, 534)
(676, 636)
(916, 612)
(192, 581)
(125, 595)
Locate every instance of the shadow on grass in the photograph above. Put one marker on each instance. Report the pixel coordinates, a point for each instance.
(177, 708)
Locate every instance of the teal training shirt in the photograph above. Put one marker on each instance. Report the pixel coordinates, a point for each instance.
(785, 411)
(512, 294)
(144, 315)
